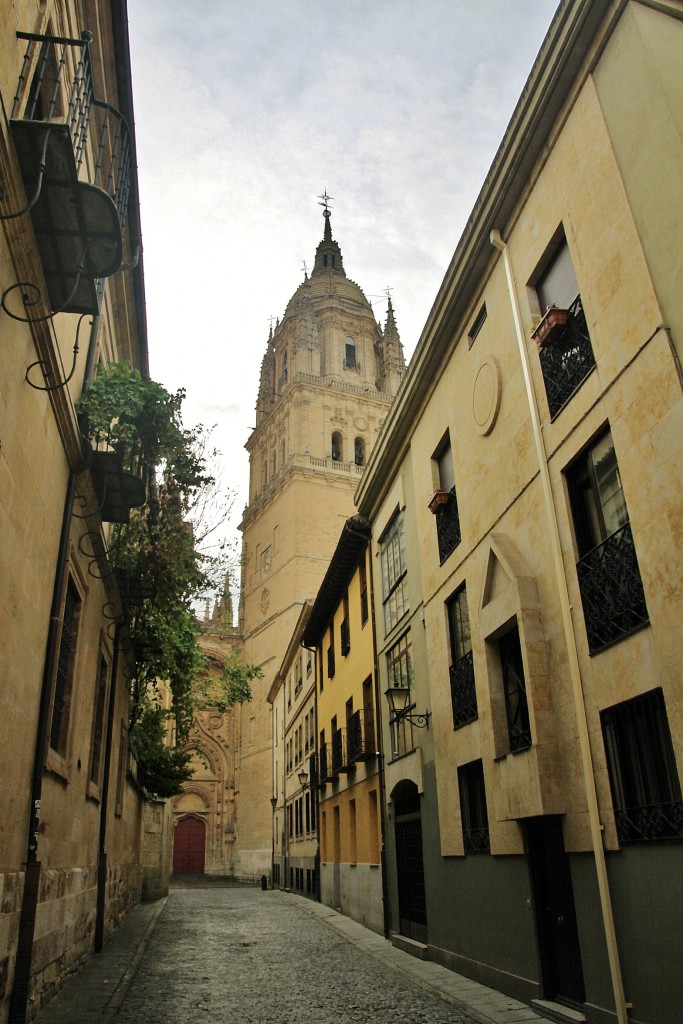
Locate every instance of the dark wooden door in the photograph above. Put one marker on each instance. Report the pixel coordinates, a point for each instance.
(189, 842)
(558, 935)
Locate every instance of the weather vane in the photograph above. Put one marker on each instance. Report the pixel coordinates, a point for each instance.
(304, 267)
(387, 291)
(326, 200)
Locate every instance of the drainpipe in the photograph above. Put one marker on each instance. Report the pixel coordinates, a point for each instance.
(29, 904)
(596, 827)
(379, 738)
(102, 855)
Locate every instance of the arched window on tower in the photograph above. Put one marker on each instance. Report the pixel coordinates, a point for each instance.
(336, 447)
(264, 470)
(282, 453)
(359, 451)
(285, 370)
(273, 462)
(350, 360)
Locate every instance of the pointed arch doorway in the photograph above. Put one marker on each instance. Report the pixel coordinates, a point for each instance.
(189, 846)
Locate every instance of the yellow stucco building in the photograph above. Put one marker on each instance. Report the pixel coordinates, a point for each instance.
(348, 768)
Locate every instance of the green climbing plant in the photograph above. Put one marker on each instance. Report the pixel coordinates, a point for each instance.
(142, 422)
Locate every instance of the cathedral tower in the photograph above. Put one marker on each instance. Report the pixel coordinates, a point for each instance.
(328, 376)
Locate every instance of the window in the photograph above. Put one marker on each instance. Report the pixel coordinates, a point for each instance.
(463, 692)
(283, 376)
(394, 583)
(363, 581)
(344, 629)
(479, 322)
(609, 577)
(359, 451)
(96, 744)
(565, 349)
(645, 786)
(400, 673)
(475, 819)
(350, 361)
(336, 447)
(273, 463)
(66, 664)
(444, 504)
(514, 688)
(330, 655)
(282, 453)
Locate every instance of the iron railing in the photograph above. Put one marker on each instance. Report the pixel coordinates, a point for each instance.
(567, 359)
(361, 736)
(654, 821)
(463, 691)
(612, 590)
(56, 87)
(448, 526)
(340, 757)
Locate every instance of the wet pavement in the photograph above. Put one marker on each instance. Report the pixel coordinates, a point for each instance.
(216, 954)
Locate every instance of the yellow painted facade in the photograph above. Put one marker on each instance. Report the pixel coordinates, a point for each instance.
(348, 755)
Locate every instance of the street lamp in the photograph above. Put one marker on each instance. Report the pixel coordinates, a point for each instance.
(398, 698)
(303, 778)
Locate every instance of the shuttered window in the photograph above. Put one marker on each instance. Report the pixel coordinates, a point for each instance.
(558, 285)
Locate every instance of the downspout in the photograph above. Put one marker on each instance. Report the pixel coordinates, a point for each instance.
(379, 734)
(102, 855)
(29, 903)
(596, 827)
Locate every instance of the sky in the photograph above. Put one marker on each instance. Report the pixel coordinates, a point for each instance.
(247, 111)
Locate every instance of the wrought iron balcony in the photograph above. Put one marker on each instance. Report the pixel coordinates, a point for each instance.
(117, 490)
(341, 762)
(75, 157)
(361, 736)
(444, 505)
(566, 354)
(327, 771)
(612, 590)
(463, 691)
(477, 840)
(656, 821)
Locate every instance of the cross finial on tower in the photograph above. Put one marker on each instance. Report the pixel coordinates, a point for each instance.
(304, 267)
(325, 202)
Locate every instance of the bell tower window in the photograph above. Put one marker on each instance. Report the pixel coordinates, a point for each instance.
(350, 361)
(336, 447)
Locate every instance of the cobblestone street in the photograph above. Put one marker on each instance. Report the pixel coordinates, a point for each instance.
(244, 955)
(219, 954)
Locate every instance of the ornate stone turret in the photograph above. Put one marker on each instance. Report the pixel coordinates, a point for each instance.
(266, 391)
(392, 360)
(328, 257)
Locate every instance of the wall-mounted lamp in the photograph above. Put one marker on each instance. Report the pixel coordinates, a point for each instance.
(397, 699)
(303, 779)
(273, 802)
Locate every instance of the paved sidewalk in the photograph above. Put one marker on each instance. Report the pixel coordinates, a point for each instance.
(96, 993)
(483, 1004)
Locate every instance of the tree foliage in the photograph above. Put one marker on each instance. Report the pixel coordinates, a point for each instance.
(157, 559)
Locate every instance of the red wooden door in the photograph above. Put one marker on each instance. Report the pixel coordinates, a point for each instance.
(189, 841)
